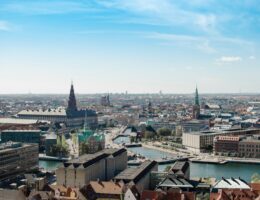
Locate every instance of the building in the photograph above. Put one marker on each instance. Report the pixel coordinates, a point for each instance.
(9, 194)
(171, 195)
(161, 124)
(208, 106)
(171, 181)
(181, 169)
(226, 144)
(103, 165)
(244, 194)
(243, 146)
(17, 121)
(17, 158)
(249, 147)
(196, 106)
(105, 101)
(153, 195)
(90, 142)
(231, 183)
(194, 125)
(50, 140)
(59, 192)
(204, 140)
(199, 141)
(25, 136)
(132, 193)
(71, 115)
(104, 190)
(139, 176)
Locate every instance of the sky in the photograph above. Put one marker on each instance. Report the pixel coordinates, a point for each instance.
(139, 46)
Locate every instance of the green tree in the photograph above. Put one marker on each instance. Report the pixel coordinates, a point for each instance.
(84, 148)
(149, 135)
(150, 128)
(164, 132)
(59, 150)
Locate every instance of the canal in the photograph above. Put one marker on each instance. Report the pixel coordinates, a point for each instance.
(218, 171)
(242, 170)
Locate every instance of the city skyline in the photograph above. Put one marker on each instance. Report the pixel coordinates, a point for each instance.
(139, 46)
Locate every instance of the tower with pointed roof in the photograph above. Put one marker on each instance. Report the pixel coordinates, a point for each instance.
(72, 104)
(196, 106)
(197, 102)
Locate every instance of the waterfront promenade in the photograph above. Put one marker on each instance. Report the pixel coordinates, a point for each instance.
(201, 165)
(183, 153)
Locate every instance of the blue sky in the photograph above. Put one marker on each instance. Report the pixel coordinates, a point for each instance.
(135, 45)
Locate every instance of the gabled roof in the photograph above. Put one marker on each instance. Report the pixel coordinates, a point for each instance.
(107, 187)
(47, 112)
(231, 183)
(135, 174)
(134, 191)
(175, 182)
(89, 159)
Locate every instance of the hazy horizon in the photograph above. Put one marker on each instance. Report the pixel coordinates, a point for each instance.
(130, 93)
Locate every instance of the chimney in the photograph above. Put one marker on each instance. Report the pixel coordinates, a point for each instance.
(100, 182)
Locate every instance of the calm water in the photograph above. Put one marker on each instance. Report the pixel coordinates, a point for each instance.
(244, 171)
(49, 165)
(151, 153)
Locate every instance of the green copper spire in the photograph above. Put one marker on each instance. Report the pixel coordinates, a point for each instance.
(197, 102)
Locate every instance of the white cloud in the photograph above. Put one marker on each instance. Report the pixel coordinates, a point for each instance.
(165, 12)
(203, 43)
(251, 57)
(229, 59)
(4, 26)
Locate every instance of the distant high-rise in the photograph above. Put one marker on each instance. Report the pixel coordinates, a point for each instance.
(72, 104)
(196, 106)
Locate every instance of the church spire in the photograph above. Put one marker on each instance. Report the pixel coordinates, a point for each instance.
(72, 105)
(197, 102)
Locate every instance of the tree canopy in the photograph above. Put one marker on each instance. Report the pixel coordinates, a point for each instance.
(164, 131)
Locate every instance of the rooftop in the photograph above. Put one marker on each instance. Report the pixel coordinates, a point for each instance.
(21, 131)
(231, 183)
(17, 121)
(228, 138)
(107, 187)
(175, 182)
(89, 159)
(54, 112)
(4, 147)
(180, 165)
(218, 132)
(135, 174)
